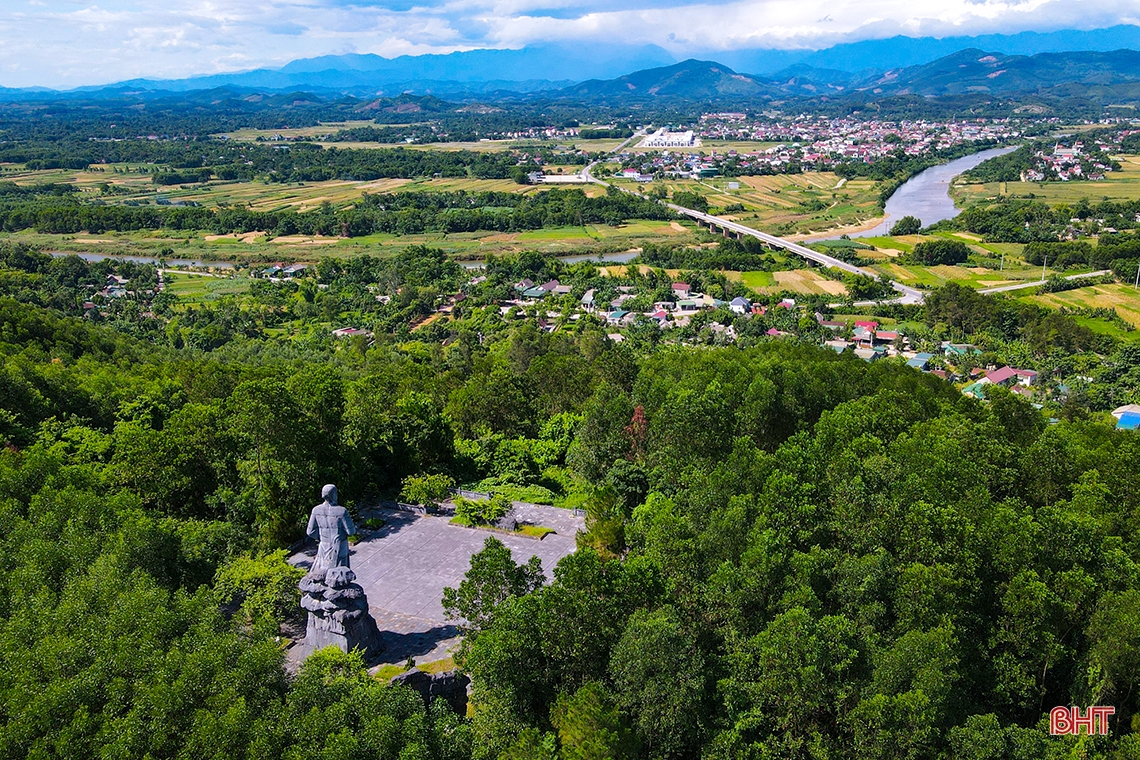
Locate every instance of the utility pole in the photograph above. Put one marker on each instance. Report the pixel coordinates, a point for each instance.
(1137, 285)
(1043, 269)
(1002, 262)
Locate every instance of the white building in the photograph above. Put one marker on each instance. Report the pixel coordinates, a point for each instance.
(662, 138)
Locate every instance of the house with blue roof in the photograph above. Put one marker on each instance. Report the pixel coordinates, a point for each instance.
(920, 361)
(1127, 417)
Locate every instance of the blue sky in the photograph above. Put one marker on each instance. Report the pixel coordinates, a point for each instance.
(67, 43)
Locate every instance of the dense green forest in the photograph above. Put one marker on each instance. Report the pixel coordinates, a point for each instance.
(790, 553)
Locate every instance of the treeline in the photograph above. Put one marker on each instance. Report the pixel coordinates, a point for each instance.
(619, 132)
(384, 134)
(1005, 168)
(1026, 220)
(551, 208)
(290, 162)
(732, 255)
(1042, 330)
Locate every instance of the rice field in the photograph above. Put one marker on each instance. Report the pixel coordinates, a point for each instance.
(806, 281)
(1125, 299)
(259, 195)
(258, 248)
(794, 205)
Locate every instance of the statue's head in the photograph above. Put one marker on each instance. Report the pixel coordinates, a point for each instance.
(328, 493)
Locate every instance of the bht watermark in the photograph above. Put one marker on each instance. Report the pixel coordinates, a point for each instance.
(1068, 721)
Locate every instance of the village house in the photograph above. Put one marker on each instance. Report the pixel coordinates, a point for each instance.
(1009, 376)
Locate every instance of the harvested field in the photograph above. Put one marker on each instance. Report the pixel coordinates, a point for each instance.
(1124, 298)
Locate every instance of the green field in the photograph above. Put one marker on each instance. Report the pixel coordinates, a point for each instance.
(1121, 185)
(757, 280)
(985, 269)
(1125, 299)
(328, 128)
(793, 205)
(199, 289)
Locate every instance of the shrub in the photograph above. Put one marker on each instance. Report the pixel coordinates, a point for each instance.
(428, 490)
(482, 511)
(262, 587)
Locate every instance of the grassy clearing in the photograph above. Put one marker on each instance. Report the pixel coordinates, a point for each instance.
(1123, 298)
(536, 531)
(1122, 185)
(200, 289)
(984, 270)
(757, 280)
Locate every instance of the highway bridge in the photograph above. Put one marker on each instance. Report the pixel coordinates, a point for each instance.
(907, 294)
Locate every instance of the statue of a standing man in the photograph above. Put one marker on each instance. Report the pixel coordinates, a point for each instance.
(331, 525)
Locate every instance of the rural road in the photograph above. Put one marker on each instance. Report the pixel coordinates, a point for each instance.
(1039, 283)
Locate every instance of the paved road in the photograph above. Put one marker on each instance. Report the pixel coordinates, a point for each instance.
(1039, 283)
(907, 294)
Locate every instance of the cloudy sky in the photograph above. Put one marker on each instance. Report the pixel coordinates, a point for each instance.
(67, 43)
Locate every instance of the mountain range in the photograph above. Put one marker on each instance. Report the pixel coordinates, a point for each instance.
(605, 76)
(552, 68)
(970, 71)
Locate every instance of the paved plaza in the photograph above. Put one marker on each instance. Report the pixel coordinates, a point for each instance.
(405, 565)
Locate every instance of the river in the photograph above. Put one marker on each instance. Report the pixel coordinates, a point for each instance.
(927, 194)
(190, 263)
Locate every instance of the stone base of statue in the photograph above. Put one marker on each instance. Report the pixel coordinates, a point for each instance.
(338, 613)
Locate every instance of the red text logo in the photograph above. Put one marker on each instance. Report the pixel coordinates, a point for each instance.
(1068, 721)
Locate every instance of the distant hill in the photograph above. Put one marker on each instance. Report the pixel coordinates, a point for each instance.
(872, 68)
(977, 71)
(900, 52)
(691, 79)
(474, 72)
(1088, 75)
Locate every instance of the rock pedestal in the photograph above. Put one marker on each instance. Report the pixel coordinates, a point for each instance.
(338, 612)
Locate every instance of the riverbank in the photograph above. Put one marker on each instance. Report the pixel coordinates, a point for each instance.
(832, 234)
(927, 194)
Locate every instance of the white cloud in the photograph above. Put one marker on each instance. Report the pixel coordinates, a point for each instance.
(70, 43)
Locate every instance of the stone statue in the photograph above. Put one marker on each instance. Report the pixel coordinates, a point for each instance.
(337, 606)
(331, 525)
